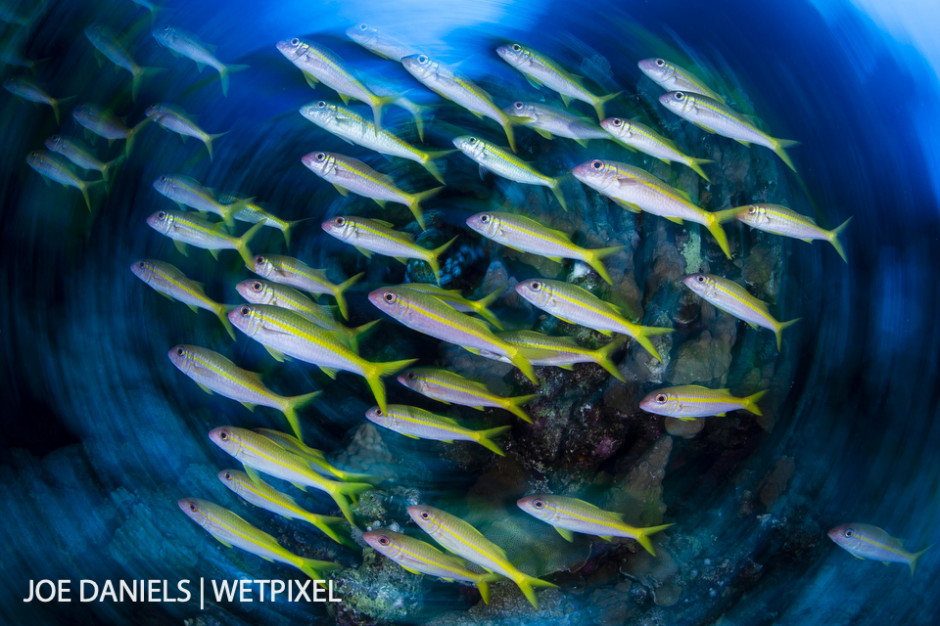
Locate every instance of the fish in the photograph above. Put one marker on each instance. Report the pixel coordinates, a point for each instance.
(170, 281)
(284, 332)
(387, 90)
(247, 210)
(54, 167)
(541, 70)
(687, 402)
(106, 42)
(188, 45)
(215, 373)
(444, 82)
(635, 190)
(734, 299)
(293, 272)
(420, 557)
(231, 530)
(320, 64)
(671, 77)
(568, 515)
(452, 388)
(577, 305)
(548, 122)
(313, 457)
(643, 138)
(264, 496)
(526, 235)
(781, 220)
(263, 292)
(349, 174)
(186, 228)
(491, 157)
(260, 454)
(369, 235)
(428, 315)
(31, 92)
(174, 119)
(379, 43)
(81, 156)
(563, 352)
(417, 423)
(188, 192)
(716, 117)
(106, 125)
(347, 124)
(454, 298)
(865, 541)
(467, 542)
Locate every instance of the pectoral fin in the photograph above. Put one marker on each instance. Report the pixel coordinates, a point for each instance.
(564, 532)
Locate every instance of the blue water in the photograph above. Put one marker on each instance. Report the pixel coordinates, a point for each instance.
(102, 435)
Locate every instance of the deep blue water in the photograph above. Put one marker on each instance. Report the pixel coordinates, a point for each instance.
(102, 435)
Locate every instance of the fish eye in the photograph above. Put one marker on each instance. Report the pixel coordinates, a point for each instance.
(163, 179)
(484, 219)
(295, 42)
(321, 104)
(363, 27)
(597, 165)
(848, 532)
(700, 278)
(54, 138)
(340, 221)
(228, 476)
(389, 297)
(422, 59)
(259, 260)
(378, 412)
(535, 285)
(192, 507)
(411, 375)
(223, 435)
(321, 156)
(425, 515)
(256, 286)
(384, 541)
(679, 95)
(538, 504)
(661, 398)
(142, 265)
(660, 62)
(617, 122)
(472, 140)
(161, 215)
(751, 210)
(516, 47)
(245, 311)
(180, 352)
(518, 105)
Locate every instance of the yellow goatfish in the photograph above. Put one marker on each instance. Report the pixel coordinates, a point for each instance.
(450, 387)
(231, 530)
(467, 542)
(416, 423)
(569, 515)
(781, 220)
(864, 541)
(688, 402)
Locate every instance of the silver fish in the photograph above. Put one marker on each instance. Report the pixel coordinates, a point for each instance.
(175, 120)
(53, 167)
(188, 45)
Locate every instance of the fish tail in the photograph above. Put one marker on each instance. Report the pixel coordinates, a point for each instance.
(419, 121)
(750, 402)
(778, 330)
(506, 122)
(83, 187)
(229, 211)
(241, 243)
(377, 102)
(55, 110)
(483, 584)
(221, 311)
(556, 190)
(642, 536)
(374, 372)
(291, 405)
(602, 356)
(481, 307)
(138, 75)
(208, 142)
(695, 165)
(225, 71)
(916, 557)
(515, 355)
(484, 438)
(106, 170)
(340, 289)
(427, 160)
(642, 336)
(779, 148)
(834, 238)
(287, 228)
(132, 134)
(313, 567)
(594, 258)
(432, 258)
(353, 489)
(600, 101)
(713, 224)
(526, 584)
(514, 406)
(325, 524)
(357, 332)
(415, 200)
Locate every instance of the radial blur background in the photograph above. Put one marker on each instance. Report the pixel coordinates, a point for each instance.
(102, 435)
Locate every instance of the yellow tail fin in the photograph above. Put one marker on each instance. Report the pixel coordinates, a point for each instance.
(834, 238)
(340, 289)
(374, 372)
(483, 438)
(433, 256)
(750, 402)
(594, 259)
